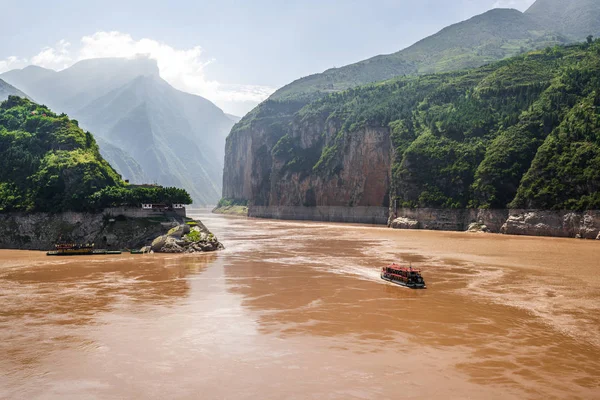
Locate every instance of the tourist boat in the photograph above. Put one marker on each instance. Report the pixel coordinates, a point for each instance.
(403, 276)
(71, 249)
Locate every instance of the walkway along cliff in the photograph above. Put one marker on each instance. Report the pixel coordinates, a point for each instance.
(509, 146)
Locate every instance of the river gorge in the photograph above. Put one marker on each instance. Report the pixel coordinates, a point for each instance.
(297, 310)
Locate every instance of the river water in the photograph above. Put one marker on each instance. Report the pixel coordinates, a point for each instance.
(297, 310)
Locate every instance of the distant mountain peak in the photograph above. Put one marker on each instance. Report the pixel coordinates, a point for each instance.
(140, 65)
(37, 68)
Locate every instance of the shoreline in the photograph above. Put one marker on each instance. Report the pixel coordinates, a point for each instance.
(240, 211)
(516, 222)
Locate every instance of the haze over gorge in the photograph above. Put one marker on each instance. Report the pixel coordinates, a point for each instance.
(148, 130)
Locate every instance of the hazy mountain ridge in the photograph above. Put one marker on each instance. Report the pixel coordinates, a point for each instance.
(145, 126)
(577, 18)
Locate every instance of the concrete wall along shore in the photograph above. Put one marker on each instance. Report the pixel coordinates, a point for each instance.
(358, 215)
(137, 212)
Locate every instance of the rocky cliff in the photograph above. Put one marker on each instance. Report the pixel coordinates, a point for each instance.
(40, 231)
(583, 225)
(281, 163)
(110, 229)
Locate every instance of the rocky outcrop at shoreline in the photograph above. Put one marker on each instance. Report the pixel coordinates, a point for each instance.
(191, 237)
(583, 225)
(574, 224)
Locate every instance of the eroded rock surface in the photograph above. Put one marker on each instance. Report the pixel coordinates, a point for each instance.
(191, 237)
(405, 223)
(585, 225)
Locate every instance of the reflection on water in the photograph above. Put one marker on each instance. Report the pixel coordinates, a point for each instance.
(297, 310)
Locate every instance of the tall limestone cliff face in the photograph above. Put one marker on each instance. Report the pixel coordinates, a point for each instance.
(280, 164)
(248, 150)
(358, 176)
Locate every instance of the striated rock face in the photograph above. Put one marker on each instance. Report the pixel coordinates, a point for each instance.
(585, 225)
(357, 176)
(280, 164)
(248, 150)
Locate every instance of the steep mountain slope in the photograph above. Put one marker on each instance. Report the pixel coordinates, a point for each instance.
(146, 127)
(577, 18)
(127, 167)
(9, 90)
(524, 132)
(47, 163)
(159, 127)
(491, 36)
(494, 35)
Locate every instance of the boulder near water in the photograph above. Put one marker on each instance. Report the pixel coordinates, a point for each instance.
(406, 223)
(478, 227)
(191, 237)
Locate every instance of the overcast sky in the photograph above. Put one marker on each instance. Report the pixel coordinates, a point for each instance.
(235, 53)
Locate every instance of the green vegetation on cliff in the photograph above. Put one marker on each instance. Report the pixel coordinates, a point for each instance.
(47, 163)
(523, 132)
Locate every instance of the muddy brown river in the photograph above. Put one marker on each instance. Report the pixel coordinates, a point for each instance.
(297, 310)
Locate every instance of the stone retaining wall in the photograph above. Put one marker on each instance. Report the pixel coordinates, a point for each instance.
(136, 212)
(359, 215)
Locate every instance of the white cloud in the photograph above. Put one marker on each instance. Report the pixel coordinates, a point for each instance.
(11, 62)
(182, 68)
(58, 57)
